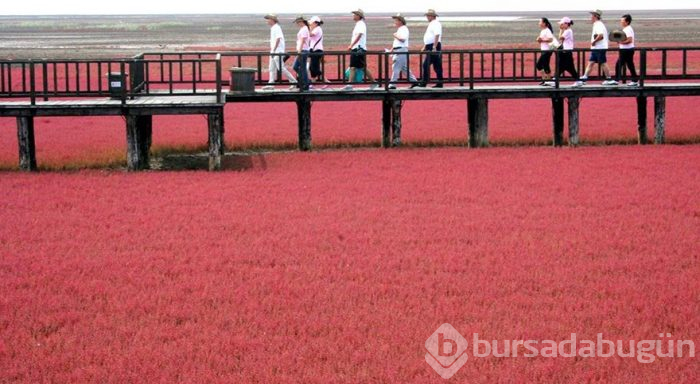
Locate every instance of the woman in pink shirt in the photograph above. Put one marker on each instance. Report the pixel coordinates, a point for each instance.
(303, 37)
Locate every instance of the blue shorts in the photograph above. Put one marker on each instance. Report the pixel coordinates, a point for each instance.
(599, 56)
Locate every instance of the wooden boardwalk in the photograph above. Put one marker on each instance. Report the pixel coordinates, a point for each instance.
(189, 83)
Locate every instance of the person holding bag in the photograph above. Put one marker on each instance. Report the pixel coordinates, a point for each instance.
(316, 42)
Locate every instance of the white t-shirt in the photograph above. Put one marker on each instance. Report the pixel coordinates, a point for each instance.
(403, 33)
(276, 33)
(316, 41)
(546, 34)
(630, 33)
(599, 29)
(434, 29)
(303, 39)
(568, 36)
(360, 28)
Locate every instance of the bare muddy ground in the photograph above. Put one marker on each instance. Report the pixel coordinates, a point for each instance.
(118, 36)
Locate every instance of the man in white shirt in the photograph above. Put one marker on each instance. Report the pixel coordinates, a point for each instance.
(599, 45)
(626, 53)
(432, 43)
(277, 49)
(358, 47)
(400, 50)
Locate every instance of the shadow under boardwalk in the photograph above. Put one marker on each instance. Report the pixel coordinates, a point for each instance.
(229, 162)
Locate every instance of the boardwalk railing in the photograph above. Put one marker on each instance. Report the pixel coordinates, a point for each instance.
(139, 76)
(203, 73)
(461, 67)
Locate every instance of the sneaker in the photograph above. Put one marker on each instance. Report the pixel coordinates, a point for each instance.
(311, 87)
(633, 84)
(549, 84)
(417, 85)
(438, 85)
(610, 82)
(583, 78)
(579, 84)
(346, 88)
(392, 86)
(268, 88)
(293, 87)
(373, 86)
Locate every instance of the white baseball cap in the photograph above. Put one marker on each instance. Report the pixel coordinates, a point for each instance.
(565, 20)
(315, 19)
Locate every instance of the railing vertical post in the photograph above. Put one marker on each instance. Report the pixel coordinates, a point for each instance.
(122, 70)
(386, 65)
(32, 83)
(557, 71)
(461, 69)
(471, 70)
(45, 79)
(218, 79)
(664, 57)
(643, 67)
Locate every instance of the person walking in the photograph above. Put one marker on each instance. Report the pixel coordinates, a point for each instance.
(599, 46)
(546, 38)
(277, 49)
(566, 56)
(316, 45)
(358, 49)
(400, 52)
(432, 43)
(626, 58)
(300, 64)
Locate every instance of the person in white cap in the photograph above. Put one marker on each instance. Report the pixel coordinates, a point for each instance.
(432, 42)
(599, 45)
(626, 58)
(316, 43)
(358, 47)
(566, 57)
(400, 50)
(277, 49)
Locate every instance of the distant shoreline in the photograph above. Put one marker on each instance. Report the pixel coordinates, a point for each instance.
(647, 14)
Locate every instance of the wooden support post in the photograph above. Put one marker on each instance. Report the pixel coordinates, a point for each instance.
(642, 120)
(216, 139)
(304, 114)
(558, 121)
(660, 119)
(574, 104)
(386, 123)
(478, 117)
(27, 147)
(139, 131)
(396, 122)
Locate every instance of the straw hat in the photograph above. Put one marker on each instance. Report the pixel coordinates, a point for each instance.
(617, 36)
(273, 17)
(400, 18)
(299, 18)
(431, 12)
(597, 12)
(360, 13)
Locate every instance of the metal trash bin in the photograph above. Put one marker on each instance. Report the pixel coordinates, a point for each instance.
(242, 80)
(117, 84)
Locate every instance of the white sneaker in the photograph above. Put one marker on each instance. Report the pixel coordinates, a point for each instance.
(550, 84)
(292, 87)
(633, 84)
(610, 82)
(578, 84)
(268, 88)
(373, 86)
(346, 88)
(583, 78)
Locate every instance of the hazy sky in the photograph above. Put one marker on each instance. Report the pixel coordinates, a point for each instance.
(45, 7)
